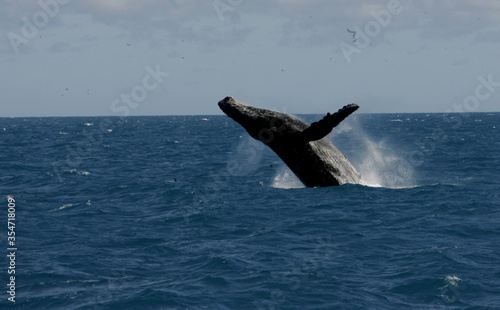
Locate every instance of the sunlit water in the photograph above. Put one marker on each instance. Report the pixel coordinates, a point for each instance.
(191, 213)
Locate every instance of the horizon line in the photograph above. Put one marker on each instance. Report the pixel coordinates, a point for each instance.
(222, 114)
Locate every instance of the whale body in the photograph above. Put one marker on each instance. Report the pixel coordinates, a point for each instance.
(302, 147)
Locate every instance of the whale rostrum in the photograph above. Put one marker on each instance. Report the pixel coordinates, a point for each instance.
(303, 148)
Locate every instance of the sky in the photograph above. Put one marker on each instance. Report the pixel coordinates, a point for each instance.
(180, 57)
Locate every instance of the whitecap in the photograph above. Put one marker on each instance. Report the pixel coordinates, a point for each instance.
(64, 206)
(452, 280)
(78, 172)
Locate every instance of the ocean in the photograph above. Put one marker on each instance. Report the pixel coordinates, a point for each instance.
(189, 212)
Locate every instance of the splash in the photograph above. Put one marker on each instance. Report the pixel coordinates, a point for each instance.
(246, 158)
(286, 179)
(380, 164)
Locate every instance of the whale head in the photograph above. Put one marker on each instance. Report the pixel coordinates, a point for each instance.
(262, 124)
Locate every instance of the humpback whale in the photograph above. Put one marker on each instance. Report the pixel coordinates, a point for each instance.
(303, 148)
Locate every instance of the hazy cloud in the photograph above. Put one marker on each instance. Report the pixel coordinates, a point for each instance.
(306, 22)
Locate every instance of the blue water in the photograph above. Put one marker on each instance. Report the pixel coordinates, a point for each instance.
(191, 213)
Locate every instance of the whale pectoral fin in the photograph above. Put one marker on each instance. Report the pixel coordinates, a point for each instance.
(322, 128)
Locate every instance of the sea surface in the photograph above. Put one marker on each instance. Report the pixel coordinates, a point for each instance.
(175, 212)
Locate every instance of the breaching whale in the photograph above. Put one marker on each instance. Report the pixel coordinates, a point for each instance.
(303, 148)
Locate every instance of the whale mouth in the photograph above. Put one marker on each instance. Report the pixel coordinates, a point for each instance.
(235, 109)
(251, 118)
(229, 103)
(224, 103)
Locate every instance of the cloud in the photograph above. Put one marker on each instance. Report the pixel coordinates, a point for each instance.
(449, 11)
(215, 23)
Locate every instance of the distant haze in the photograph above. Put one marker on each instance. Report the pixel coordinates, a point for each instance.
(158, 57)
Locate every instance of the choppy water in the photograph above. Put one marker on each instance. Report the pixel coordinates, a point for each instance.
(191, 213)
